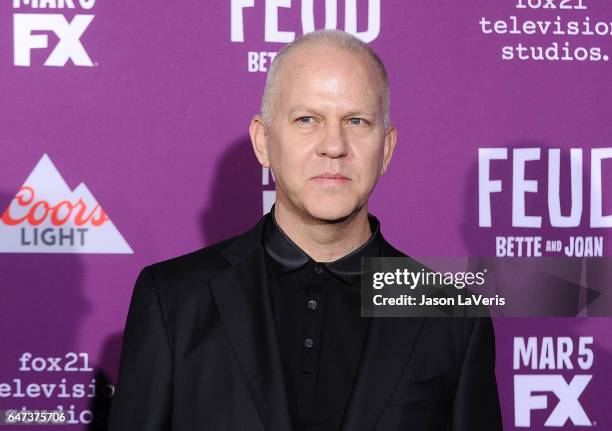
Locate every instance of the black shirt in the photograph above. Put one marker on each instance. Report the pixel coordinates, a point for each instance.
(321, 334)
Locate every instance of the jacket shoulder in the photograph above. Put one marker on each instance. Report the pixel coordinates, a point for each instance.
(178, 278)
(390, 251)
(196, 265)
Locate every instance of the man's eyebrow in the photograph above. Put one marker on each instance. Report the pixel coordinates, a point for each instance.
(352, 113)
(302, 109)
(360, 113)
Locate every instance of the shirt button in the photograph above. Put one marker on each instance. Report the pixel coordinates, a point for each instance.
(318, 269)
(312, 304)
(308, 343)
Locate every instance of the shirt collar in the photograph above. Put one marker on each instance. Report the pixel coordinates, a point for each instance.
(289, 256)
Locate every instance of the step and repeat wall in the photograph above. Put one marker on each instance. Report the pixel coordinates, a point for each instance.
(124, 138)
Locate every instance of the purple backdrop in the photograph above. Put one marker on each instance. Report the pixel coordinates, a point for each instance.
(148, 104)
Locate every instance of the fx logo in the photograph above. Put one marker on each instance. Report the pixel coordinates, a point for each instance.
(69, 46)
(568, 407)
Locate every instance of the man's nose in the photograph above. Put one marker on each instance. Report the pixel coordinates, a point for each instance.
(333, 141)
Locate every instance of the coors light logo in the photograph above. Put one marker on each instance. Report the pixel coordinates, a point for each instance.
(45, 216)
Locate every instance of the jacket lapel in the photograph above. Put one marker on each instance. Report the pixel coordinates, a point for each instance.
(242, 297)
(388, 348)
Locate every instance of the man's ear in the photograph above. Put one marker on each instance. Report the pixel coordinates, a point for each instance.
(390, 141)
(259, 140)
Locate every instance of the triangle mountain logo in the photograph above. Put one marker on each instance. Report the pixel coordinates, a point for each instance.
(45, 216)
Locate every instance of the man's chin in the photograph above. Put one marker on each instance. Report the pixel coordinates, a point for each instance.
(332, 212)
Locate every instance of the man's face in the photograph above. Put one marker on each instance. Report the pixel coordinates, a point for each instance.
(326, 143)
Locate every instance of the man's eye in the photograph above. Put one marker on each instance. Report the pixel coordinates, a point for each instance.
(357, 121)
(305, 120)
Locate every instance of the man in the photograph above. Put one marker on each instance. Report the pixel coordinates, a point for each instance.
(263, 331)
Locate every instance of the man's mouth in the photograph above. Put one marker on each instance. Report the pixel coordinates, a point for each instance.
(332, 178)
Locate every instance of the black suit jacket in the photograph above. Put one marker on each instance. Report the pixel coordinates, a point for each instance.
(200, 352)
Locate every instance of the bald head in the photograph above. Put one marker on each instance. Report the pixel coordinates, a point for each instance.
(323, 38)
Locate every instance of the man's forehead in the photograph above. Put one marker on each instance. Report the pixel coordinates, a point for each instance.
(328, 68)
(315, 52)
